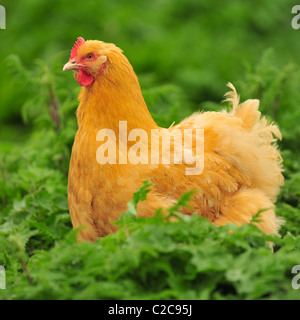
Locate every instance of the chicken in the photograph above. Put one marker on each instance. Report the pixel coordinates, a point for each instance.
(238, 160)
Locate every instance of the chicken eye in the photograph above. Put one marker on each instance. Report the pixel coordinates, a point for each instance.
(90, 56)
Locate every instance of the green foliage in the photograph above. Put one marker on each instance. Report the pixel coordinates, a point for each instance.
(156, 259)
(141, 194)
(184, 53)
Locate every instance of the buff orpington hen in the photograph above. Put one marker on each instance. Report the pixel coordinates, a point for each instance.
(238, 160)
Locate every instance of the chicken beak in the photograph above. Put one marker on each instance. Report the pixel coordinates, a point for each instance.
(71, 65)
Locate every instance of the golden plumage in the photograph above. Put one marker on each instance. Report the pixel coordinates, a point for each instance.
(242, 166)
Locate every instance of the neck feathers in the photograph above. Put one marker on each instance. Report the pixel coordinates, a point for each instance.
(114, 96)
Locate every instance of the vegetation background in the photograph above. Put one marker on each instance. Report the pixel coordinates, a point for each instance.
(184, 53)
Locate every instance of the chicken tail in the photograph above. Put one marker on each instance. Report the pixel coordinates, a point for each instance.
(262, 138)
(249, 114)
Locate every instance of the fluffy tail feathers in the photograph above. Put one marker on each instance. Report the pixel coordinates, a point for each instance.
(250, 115)
(262, 143)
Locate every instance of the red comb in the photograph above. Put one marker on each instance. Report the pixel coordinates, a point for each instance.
(80, 41)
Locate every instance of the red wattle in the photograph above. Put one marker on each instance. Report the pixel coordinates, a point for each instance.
(83, 78)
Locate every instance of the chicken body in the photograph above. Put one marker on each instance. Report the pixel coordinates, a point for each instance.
(242, 166)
